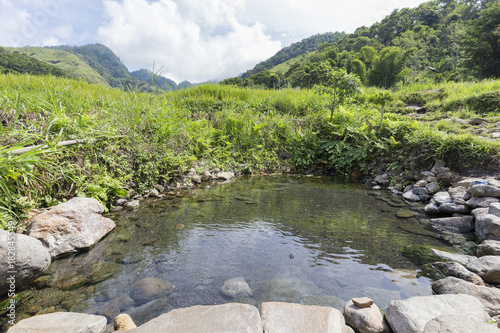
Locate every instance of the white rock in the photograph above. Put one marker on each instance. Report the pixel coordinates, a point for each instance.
(365, 320)
(61, 322)
(236, 287)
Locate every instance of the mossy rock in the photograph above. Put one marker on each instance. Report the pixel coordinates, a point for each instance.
(405, 214)
(420, 254)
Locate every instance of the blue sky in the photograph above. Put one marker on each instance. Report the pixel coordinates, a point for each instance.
(195, 40)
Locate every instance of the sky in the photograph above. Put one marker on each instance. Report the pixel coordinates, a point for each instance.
(193, 40)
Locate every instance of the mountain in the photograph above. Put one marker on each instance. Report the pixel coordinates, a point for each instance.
(160, 81)
(12, 61)
(69, 63)
(294, 50)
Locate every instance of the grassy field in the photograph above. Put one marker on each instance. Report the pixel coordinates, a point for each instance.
(155, 138)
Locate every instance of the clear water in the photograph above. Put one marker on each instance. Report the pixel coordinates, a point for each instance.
(310, 240)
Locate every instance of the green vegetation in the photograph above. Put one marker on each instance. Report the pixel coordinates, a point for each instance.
(438, 41)
(155, 138)
(19, 63)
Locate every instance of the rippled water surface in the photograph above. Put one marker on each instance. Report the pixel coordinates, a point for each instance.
(296, 239)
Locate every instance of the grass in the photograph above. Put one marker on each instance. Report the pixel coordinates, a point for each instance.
(155, 138)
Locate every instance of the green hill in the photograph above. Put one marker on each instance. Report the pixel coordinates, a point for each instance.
(66, 61)
(11, 61)
(161, 82)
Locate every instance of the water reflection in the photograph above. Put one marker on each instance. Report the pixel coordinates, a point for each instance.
(306, 240)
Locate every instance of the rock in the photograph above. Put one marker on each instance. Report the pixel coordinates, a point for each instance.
(236, 287)
(481, 202)
(410, 196)
(149, 289)
(151, 310)
(120, 202)
(433, 187)
(457, 270)
(179, 226)
(448, 178)
(381, 180)
(153, 194)
(412, 315)
(132, 205)
(288, 317)
(421, 183)
(489, 248)
(460, 258)
(437, 167)
(442, 197)
(31, 260)
(61, 322)
(494, 209)
(452, 208)
(159, 188)
(365, 319)
(71, 226)
(123, 322)
(405, 213)
(484, 191)
(225, 318)
(467, 182)
(458, 193)
(196, 179)
(431, 208)
(478, 212)
(457, 324)
(462, 224)
(490, 297)
(477, 121)
(225, 175)
(488, 227)
(428, 174)
(487, 267)
(362, 302)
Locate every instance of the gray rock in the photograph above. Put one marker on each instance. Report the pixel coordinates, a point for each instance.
(151, 310)
(286, 290)
(494, 209)
(225, 318)
(148, 289)
(225, 175)
(448, 178)
(420, 191)
(481, 202)
(452, 208)
(421, 183)
(412, 315)
(132, 205)
(438, 166)
(31, 260)
(71, 226)
(206, 174)
(477, 121)
(433, 187)
(236, 287)
(489, 248)
(455, 269)
(288, 317)
(478, 212)
(462, 224)
(159, 188)
(381, 180)
(153, 194)
(488, 227)
(196, 179)
(410, 196)
(484, 191)
(489, 297)
(365, 319)
(487, 267)
(457, 324)
(428, 174)
(61, 322)
(431, 208)
(442, 197)
(460, 258)
(120, 202)
(457, 193)
(466, 182)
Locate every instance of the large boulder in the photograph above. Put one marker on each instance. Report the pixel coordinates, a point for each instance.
(456, 324)
(489, 248)
(31, 259)
(366, 319)
(61, 322)
(412, 315)
(453, 208)
(487, 267)
(484, 191)
(490, 297)
(481, 202)
(488, 227)
(231, 317)
(71, 226)
(455, 269)
(459, 224)
(280, 317)
(148, 289)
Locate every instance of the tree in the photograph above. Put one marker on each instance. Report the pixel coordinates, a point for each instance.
(340, 87)
(381, 99)
(359, 68)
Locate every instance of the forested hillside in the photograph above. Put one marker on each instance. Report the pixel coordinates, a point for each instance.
(437, 41)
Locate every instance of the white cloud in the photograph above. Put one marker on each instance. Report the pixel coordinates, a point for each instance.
(194, 40)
